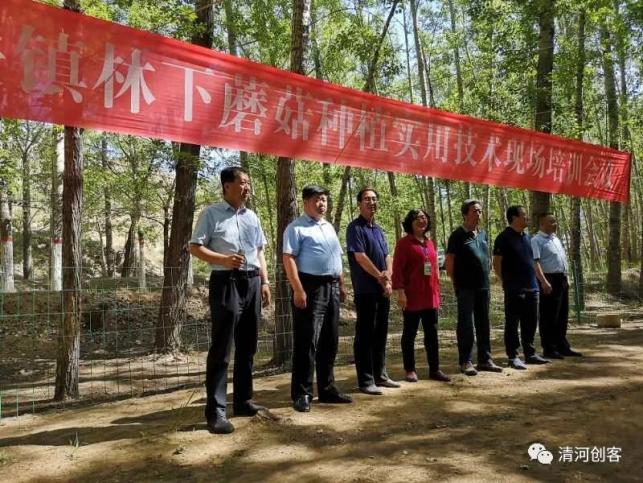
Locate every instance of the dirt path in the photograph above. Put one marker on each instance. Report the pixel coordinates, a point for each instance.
(472, 429)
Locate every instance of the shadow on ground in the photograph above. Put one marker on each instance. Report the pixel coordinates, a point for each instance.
(472, 428)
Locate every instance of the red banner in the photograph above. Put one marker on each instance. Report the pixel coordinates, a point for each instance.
(65, 68)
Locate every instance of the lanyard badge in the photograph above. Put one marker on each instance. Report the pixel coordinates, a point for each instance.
(427, 262)
(427, 268)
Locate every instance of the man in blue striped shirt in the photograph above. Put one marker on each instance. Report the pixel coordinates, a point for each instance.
(229, 237)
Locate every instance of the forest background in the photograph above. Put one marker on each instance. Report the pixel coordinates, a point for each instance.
(571, 68)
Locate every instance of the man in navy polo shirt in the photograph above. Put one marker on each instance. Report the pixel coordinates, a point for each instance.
(371, 267)
(513, 262)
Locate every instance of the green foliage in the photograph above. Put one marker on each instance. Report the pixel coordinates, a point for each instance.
(497, 43)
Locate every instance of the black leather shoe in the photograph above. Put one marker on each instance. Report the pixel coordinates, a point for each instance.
(220, 426)
(553, 355)
(302, 404)
(247, 408)
(388, 382)
(488, 366)
(335, 398)
(536, 359)
(439, 376)
(371, 390)
(571, 353)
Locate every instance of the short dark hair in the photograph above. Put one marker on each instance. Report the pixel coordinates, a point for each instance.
(313, 190)
(513, 211)
(407, 224)
(229, 174)
(364, 190)
(466, 204)
(543, 215)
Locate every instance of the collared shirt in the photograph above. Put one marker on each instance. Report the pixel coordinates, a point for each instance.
(225, 230)
(369, 239)
(315, 246)
(422, 291)
(470, 258)
(518, 272)
(549, 251)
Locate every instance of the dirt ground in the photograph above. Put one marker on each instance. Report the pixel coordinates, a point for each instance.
(472, 429)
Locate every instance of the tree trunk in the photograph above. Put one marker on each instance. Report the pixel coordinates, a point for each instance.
(503, 201)
(487, 202)
(8, 281)
(396, 212)
(67, 364)
(234, 50)
(55, 217)
(458, 77)
(456, 59)
(328, 181)
(408, 55)
(129, 255)
(614, 243)
(541, 202)
(172, 313)
(286, 212)
(142, 282)
(626, 234)
(107, 212)
(592, 236)
(27, 262)
(641, 267)
(447, 186)
(341, 199)
(369, 86)
(575, 228)
(68, 350)
(286, 191)
(420, 61)
(442, 218)
(103, 260)
(269, 202)
(430, 196)
(190, 280)
(626, 239)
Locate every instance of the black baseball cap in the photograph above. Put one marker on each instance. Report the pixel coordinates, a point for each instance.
(312, 190)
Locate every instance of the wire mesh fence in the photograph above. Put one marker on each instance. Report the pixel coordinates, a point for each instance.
(118, 358)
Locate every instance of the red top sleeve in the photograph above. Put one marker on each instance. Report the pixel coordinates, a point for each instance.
(422, 291)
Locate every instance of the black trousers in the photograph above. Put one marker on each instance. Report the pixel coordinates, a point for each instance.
(521, 309)
(371, 331)
(473, 318)
(235, 307)
(315, 336)
(554, 312)
(429, 318)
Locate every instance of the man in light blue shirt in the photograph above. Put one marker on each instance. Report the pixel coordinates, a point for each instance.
(313, 262)
(229, 237)
(551, 267)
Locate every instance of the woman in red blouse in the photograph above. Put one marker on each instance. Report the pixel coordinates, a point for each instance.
(417, 285)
